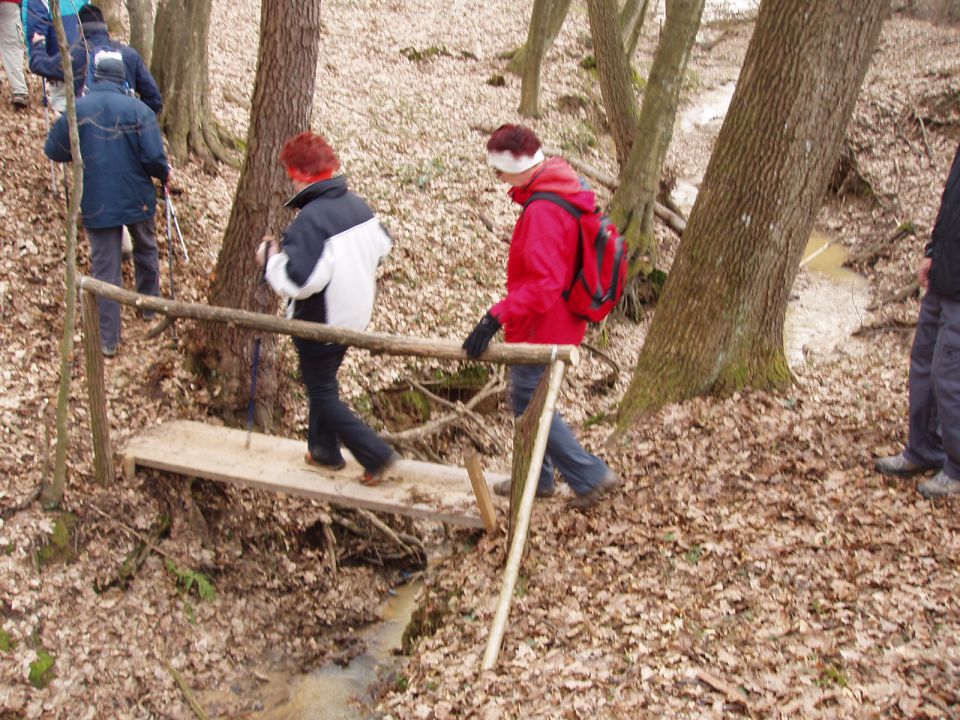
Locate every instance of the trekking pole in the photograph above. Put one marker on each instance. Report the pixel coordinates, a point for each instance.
(176, 223)
(255, 366)
(46, 117)
(173, 294)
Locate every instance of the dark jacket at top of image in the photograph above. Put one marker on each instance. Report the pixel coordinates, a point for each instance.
(38, 21)
(944, 247)
(122, 149)
(328, 264)
(540, 268)
(93, 38)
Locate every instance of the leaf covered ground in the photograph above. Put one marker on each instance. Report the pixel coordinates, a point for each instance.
(752, 562)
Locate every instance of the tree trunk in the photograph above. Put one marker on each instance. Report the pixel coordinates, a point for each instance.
(615, 73)
(182, 29)
(53, 494)
(111, 13)
(140, 13)
(719, 325)
(558, 14)
(633, 203)
(631, 24)
(282, 107)
(535, 49)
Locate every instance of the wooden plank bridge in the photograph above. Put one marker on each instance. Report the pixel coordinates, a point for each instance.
(410, 487)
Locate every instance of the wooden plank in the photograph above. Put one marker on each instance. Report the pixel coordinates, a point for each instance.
(482, 491)
(414, 488)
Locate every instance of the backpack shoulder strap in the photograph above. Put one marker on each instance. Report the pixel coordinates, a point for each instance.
(556, 199)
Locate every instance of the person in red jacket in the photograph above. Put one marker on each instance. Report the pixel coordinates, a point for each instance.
(11, 51)
(540, 269)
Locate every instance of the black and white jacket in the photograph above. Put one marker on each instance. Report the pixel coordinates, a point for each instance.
(330, 252)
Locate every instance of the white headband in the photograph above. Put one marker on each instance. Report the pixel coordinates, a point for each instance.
(506, 161)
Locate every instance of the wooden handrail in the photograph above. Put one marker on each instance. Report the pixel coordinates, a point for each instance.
(501, 353)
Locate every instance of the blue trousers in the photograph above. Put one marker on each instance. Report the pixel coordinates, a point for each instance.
(331, 421)
(581, 470)
(935, 386)
(105, 256)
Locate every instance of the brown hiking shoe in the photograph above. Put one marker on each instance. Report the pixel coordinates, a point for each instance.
(589, 499)
(314, 462)
(899, 466)
(372, 478)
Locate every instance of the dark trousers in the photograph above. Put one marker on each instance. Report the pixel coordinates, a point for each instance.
(935, 386)
(105, 256)
(581, 470)
(331, 421)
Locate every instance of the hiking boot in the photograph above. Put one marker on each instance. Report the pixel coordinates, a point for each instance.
(591, 498)
(108, 350)
(940, 485)
(899, 466)
(372, 478)
(326, 464)
(505, 487)
(19, 100)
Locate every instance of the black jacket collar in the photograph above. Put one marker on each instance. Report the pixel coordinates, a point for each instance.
(334, 187)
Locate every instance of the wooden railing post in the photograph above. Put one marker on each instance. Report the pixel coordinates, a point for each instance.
(522, 525)
(96, 394)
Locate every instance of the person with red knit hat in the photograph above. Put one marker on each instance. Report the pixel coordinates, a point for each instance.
(327, 268)
(540, 268)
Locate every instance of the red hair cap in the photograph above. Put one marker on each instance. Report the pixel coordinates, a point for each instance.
(309, 158)
(514, 149)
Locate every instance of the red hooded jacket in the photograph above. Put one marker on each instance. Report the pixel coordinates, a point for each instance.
(543, 250)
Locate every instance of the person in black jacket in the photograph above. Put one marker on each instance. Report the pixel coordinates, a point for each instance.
(327, 267)
(934, 439)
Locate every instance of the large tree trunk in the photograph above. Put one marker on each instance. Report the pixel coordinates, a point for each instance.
(282, 106)
(544, 17)
(140, 13)
(633, 203)
(112, 14)
(614, 70)
(180, 69)
(632, 15)
(719, 325)
(558, 13)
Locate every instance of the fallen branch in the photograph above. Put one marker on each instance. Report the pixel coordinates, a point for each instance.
(458, 407)
(612, 380)
(897, 296)
(8, 512)
(729, 691)
(135, 533)
(187, 693)
(131, 564)
(880, 248)
(901, 326)
(923, 136)
(331, 546)
(158, 328)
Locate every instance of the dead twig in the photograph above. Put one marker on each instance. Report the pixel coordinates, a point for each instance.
(900, 326)
(187, 693)
(159, 328)
(729, 691)
(881, 247)
(897, 296)
(131, 564)
(612, 380)
(923, 136)
(136, 534)
(8, 512)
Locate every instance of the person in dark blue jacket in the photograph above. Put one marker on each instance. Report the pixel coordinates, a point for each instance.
(122, 151)
(42, 40)
(934, 439)
(92, 38)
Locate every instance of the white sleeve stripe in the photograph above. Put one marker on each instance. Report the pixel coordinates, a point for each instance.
(276, 275)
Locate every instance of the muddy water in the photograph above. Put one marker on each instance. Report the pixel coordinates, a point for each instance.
(334, 692)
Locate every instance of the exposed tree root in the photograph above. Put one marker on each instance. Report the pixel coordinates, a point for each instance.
(897, 296)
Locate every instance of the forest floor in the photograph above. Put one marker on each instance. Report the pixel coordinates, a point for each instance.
(751, 563)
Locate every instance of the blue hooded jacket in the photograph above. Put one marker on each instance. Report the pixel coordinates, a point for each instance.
(122, 150)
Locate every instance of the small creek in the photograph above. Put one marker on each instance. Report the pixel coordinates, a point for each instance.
(334, 692)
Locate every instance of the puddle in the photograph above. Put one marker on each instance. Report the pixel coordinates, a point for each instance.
(828, 303)
(334, 692)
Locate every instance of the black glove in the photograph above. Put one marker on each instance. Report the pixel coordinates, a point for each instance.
(477, 341)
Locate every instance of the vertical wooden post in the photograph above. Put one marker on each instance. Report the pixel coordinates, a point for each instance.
(96, 394)
(524, 436)
(488, 512)
(522, 524)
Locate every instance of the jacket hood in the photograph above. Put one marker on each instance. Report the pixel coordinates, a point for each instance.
(556, 176)
(334, 187)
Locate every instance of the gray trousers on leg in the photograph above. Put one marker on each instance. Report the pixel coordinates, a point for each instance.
(106, 257)
(935, 386)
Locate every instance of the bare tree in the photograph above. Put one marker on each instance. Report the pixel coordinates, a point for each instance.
(633, 203)
(180, 68)
(282, 106)
(545, 23)
(140, 13)
(558, 13)
(632, 15)
(719, 325)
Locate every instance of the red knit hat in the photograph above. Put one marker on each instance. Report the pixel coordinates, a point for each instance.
(308, 158)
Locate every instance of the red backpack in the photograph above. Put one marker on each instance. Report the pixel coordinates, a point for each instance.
(601, 262)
